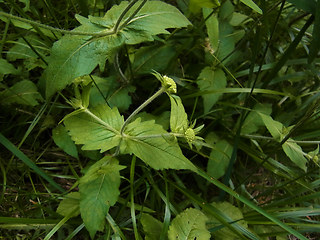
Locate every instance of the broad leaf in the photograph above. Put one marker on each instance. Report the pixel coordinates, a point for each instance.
(70, 205)
(253, 121)
(73, 56)
(99, 189)
(62, 139)
(24, 92)
(146, 141)
(232, 214)
(101, 132)
(209, 80)
(152, 227)
(219, 157)
(189, 225)
(295, 153)
(274, 127)
(178, 116)
(7, 68)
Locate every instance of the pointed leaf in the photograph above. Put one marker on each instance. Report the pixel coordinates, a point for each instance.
(274, 127)
(145, 140)
(178, 116)
(70, 206)
(151, 227)
(189, 225)
(295, 153)
(99, 189)
(24, 92)
(63, 140)
(196, 5)
(7, 68)
(252, 5)
(99, 130)
(209, 80)
(253, 120)
(212, 25)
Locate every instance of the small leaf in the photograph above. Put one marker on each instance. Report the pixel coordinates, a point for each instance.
(24, 92)
(189, 225)
(178, 116)
(254, 121)
(151, 227)
(274, 127)
(70, 206)
(7, 68)
(219, 158)
(145, 140)
(232, 214)
(196, 5)
(99, 131)
(295, 153)
(252, 5)
(99, 189)
(211, 80)
(212, 25)
(63, 140)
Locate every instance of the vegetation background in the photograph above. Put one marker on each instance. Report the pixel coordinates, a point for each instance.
(178, 119)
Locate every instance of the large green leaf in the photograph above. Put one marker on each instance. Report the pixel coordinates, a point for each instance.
(146, 140)
(178, 117)
(209, 80)
(151, 227)
(99, 189)
(73, 56)
(7, 68)
(24, 92)
(70, 205)
(295, 153)
(274, 127)
(189, 225)
(99, 130)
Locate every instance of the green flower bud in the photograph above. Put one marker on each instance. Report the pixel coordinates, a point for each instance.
(169, 84)
(190, 135)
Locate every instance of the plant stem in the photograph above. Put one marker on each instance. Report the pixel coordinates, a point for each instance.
(101, 121)
(142, 106)
(130, 5)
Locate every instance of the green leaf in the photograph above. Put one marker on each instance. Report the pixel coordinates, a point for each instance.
(295, 153)
(274, 127)
(70, 205)
(24, 92)
(254, 121)
(212, 25)
(252, 5)
(209, 80)
(151, 227)
(62, 139)
(98, 129)
(196, 5)
(99, 189)
(233, 214)
(189, 225)
(219, 157)
(146, 140)
(7, 68)
(178, 116)
(153, 57)
(73, 56)
(315, 43)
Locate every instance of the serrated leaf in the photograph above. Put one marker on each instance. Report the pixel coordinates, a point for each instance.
(151, 227)
(99, 189)
(210, 80)
(178, 116)
(146, 142)
(70, 205)
(189, 225)
(101, 132)
(295, 153)
(24, 92)
(73, 56)
(233, 214)
(274, 127)
(252, 5)
(63, 140)
(253, 121)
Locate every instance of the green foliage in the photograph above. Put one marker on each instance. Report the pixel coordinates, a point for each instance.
(99, 189)
(151, 227)
(62, 139)
(70, 206)
(189, 224)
